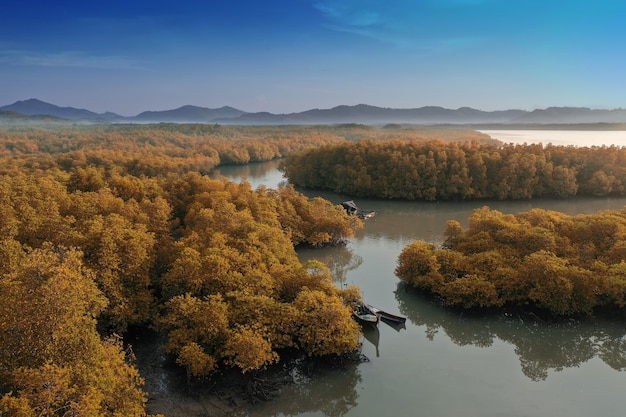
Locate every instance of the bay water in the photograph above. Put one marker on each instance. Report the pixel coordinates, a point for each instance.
(443, 363)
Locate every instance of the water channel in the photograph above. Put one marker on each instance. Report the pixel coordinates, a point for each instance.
(443, 363)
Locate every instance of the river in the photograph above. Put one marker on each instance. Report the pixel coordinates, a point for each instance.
(442, 363)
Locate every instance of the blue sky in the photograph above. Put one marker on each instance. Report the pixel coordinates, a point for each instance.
(293, 55)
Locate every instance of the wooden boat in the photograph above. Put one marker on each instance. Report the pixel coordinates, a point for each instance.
(366, 214)
(383, 315)
(352, 209)
(364, 317)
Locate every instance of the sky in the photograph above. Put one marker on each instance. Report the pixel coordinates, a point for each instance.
(288, 56)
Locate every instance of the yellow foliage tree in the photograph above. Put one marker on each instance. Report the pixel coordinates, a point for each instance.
(564, 265)
(53, 361)
(325, 326)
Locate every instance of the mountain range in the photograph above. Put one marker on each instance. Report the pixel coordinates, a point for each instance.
(361, 113)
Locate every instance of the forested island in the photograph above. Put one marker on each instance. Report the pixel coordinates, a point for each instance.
(539, 261)
(459, 170)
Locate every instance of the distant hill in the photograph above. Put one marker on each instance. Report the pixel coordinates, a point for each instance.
(361, 113)
(188, 114)
(573, 115)
(10, 117)
(366, 114)
(34, 106)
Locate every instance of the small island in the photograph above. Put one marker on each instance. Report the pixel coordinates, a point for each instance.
(538, 261)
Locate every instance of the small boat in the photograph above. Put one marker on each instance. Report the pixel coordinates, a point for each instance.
(366, 214)
(384, 315)
(352, 209)
(364, 317)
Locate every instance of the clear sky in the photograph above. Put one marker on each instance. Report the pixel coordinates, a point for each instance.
(286, 56)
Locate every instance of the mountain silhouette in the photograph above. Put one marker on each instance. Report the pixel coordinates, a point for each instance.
(366, 114)
(11, 117)
(361, 113)
(34, 106)
(188, 114)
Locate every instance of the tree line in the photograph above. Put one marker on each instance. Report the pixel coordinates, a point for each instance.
(465, 170)
(112, 228)
(540, 260)
(156, 150)
(152, 150)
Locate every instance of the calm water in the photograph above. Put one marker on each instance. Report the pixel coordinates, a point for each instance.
(561, 137)
(441, 363)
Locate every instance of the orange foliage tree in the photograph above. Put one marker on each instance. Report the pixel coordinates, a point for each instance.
(110, 228)
(53, 361)
(464, 169)
(564, 265)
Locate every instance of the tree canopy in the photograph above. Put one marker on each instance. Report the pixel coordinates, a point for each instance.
(109, 228)
(461, 170)
(540, 259)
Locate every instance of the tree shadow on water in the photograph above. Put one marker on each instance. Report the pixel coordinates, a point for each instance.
(541, 346)
(339, 260)
(320, 386)
(296, 385)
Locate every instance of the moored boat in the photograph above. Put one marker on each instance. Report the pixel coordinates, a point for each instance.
(365, 319)
(352, 209)
(364, 316)
(366, 214)
(383, 315)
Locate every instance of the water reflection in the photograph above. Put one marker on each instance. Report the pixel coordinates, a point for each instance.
(256, 173)
(540, 347)
(372, 335)
(339, 259)
(318, 388)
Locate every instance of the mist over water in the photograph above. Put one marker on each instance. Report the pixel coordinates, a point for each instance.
(561, 137)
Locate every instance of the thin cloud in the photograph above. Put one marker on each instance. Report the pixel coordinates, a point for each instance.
(67, 59)
(402, 24)
(346, 13)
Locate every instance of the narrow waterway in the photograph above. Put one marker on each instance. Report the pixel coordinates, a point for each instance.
(442, 363)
